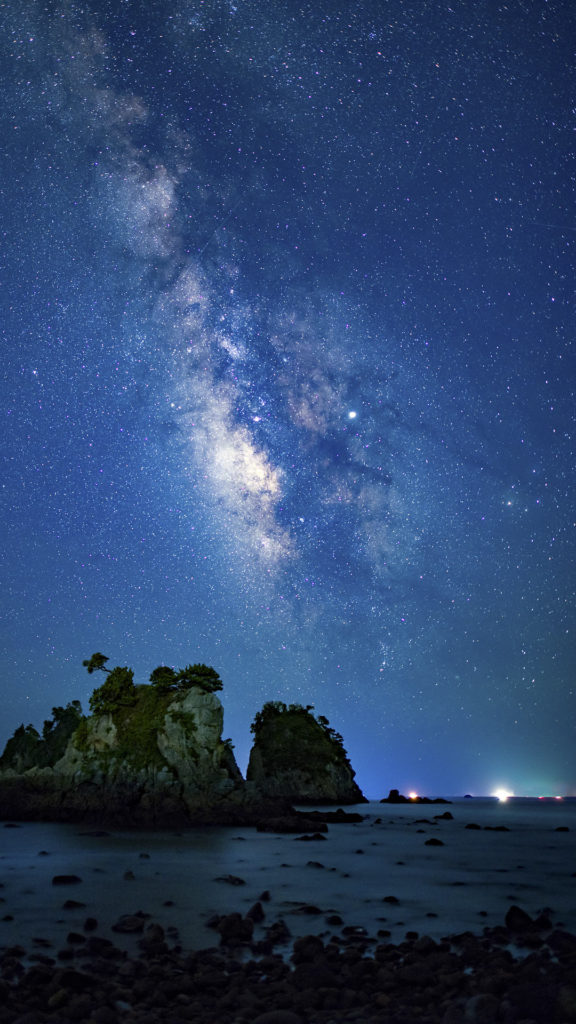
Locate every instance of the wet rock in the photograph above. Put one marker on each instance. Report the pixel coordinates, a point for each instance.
(306, 949)
(278, 933)
(315, 864)
(230, 879)
(152, 941)
(99, 946)
(235, 929)
(129, 924)
(307, 839)
(338, 817)
(433, 842)
(473, 825)
(256, 913)
(66, 879)
(517, 920)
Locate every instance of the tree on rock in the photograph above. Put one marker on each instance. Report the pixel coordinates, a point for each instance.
(164, 678)
(96, 662)
(203, 676)
(117, 692)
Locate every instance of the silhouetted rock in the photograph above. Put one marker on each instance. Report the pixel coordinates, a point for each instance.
(395, 797)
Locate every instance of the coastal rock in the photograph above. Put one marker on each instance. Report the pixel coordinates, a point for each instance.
(395, 797)
(160, 761)
(298, 757)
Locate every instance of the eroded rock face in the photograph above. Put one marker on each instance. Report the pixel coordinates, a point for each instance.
(157, 763)
(299, 758)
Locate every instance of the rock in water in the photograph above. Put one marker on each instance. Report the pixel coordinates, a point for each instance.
(160, 761)
(298, 757)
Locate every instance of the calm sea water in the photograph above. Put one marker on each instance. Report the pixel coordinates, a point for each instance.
(181, 878)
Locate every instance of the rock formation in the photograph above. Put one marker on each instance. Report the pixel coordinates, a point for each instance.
(160, 760)
(298, 757)
(153, 755)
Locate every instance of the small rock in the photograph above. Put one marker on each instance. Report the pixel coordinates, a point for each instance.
(307, 838)
(433, 842)
(314, 864)
(234, 929)
(129, 923)
(230, 879)
(517, 920)
(72, 905)
(66, 879)
(256, 913)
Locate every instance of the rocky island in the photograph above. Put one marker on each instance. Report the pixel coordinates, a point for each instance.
(299, 757)
(153, 754)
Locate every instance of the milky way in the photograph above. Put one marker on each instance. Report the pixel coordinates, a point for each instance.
(288, 369)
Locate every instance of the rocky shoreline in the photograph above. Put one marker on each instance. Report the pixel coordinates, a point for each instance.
(522, 972)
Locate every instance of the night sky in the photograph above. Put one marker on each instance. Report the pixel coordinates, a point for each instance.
(288, 369)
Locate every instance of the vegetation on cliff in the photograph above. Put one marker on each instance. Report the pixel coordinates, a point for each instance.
(28, 748)
(299, 756)
(137, 712)
(290, 737)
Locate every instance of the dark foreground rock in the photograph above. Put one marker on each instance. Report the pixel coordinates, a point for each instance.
(463, 979)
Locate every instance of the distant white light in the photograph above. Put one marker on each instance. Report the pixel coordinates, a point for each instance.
(413, 795)
(352, 415)
(502, 795)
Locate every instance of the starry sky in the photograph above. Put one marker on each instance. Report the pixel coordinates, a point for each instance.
(288, 369)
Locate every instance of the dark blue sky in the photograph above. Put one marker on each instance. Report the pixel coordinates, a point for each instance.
(288, 369)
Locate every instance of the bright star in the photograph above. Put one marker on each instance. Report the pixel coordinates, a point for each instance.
(352, 415)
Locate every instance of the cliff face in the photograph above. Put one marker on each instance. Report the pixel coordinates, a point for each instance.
(159, 761)
(298, 757)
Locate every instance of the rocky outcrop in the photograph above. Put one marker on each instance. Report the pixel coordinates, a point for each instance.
(160, 761)
(298, 757)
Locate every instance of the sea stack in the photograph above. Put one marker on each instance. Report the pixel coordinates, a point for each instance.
(298, 757)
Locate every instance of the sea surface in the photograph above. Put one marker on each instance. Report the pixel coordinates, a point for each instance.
(380, 874)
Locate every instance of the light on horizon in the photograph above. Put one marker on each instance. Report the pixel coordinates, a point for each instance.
(413, 795)
(502, 795)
